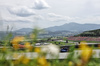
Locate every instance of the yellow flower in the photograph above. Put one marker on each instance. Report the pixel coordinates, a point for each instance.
(86, 51)
(47, 64)
(70, 63)
(37, 49)
(17, 39)
(21, 58)
(15, 55)
(27, 45)
(42, 61)
(16, 46)
(82, 45)
(31, 48)
(25, 60)
(18, 59)
(86, 54)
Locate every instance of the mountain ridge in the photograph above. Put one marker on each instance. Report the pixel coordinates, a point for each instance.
(75, 27)
(67, 27)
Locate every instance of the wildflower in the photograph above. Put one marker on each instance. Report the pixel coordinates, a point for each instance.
(53, 49)
(25, 60)
(15, 56)
(42, 61)
(44, 49)
(27, 45)
(86, 51)
(37, 49)
(82, 45)
(86, 54)
(17, 39)
(70, 63)
(16, 61)
(15, 46)
(21, 58)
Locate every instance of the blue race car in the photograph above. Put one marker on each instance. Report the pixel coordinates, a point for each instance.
(63, 49)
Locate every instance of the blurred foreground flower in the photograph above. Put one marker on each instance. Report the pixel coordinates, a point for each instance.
(15, 55)
(70, 63)
(37, 49)
(17, 59)
(16, 41)
(53, 49)
(43, 62)
(22, 59)
(16, 46)
(86, 52)
(83, 45)
(25, 60)
(28, 46)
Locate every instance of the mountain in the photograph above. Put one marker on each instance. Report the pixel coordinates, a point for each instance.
(68, 29)
(74, 27)
(23, 31)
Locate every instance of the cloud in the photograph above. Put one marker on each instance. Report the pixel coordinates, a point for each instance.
(90, 19)
(40, 4)
(21, 11)
(38, 17)
(56, 17)
(17, 19)
(53, 15)
(23, 20)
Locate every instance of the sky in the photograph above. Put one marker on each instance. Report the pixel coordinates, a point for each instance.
(19, 14)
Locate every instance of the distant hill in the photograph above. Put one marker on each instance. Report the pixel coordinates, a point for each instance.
(74, 27)
(68, 29)
(91, 33)
(24, 30)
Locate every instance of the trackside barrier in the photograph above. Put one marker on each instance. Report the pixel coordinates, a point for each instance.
(33, 55)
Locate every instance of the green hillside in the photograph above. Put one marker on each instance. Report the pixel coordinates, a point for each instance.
(91, 33)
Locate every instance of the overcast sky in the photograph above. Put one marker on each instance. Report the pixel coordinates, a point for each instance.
(46, 13)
